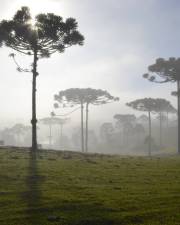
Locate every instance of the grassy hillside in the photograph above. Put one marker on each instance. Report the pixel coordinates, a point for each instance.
(64, 188)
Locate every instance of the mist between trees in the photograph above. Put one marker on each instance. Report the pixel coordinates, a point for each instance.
(124, 134)
(154, 131)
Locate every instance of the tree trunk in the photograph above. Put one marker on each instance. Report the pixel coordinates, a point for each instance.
(50, 135)
(87, 131)
(61, 136)
(149, 141)
(34, 120)
(178, 106)
(124, 140)
(82, 128)
(160, 130)
(167, 123)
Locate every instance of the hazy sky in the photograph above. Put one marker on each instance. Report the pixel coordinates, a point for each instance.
(122, 37)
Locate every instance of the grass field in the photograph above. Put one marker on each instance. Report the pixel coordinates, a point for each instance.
(64, 188)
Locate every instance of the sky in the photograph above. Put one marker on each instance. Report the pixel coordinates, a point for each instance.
(121, 39)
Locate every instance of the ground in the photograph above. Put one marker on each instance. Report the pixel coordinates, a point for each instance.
(65, 188)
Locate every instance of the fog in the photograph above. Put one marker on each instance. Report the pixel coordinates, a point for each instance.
(121, 39)
(112, 137)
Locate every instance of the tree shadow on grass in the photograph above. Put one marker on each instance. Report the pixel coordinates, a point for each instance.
(33, 195)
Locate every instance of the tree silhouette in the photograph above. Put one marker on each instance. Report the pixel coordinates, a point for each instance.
(163, 106)
(69, 98)
(95, 97)
(139, 130)
(164, 71)
(87, 96)
(172, 110)
(18, 130)
(61, 122)
(147, 105)
(126, 121)
(143, 118)
(49, 121)
(48, 35)
(53, 120)
(106, 132)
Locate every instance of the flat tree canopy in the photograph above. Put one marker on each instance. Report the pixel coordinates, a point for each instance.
(166, 70)
(73, 96)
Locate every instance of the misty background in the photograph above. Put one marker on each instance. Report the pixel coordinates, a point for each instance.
(121, 39)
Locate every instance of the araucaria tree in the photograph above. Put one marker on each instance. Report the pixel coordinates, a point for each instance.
(48, 35)
(148, 105)
(164, 71)
(163, 106)
(106, 132)
(96, 97)
(126, 122)
(84, 96)
(49, 121)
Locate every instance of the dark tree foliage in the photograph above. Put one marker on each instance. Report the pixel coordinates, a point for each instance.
(87, 96)
(48, 35)
(163, 71)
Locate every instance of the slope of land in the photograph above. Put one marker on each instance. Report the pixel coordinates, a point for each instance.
(65, 188)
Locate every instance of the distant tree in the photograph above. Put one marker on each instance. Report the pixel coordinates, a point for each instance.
(96, 97)
(126, 121)
(53, 120)
(87, 96)
(76, 138)
(62, 122)
(93, 140)
(69, 98)
(143, 118)
(163, 106)
(49, 121)
(106, 132)
(8, 137)
(164, 71)
(18, 130)
(139, 130)
(27, 136)
(170, 110)
(49, 35)
(148, 105)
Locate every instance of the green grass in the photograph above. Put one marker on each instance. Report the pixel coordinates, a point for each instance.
(79, 189)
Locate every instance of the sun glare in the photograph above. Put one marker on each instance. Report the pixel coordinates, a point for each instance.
(40, 6)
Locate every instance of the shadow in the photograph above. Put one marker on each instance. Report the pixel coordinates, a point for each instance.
(32, 196)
